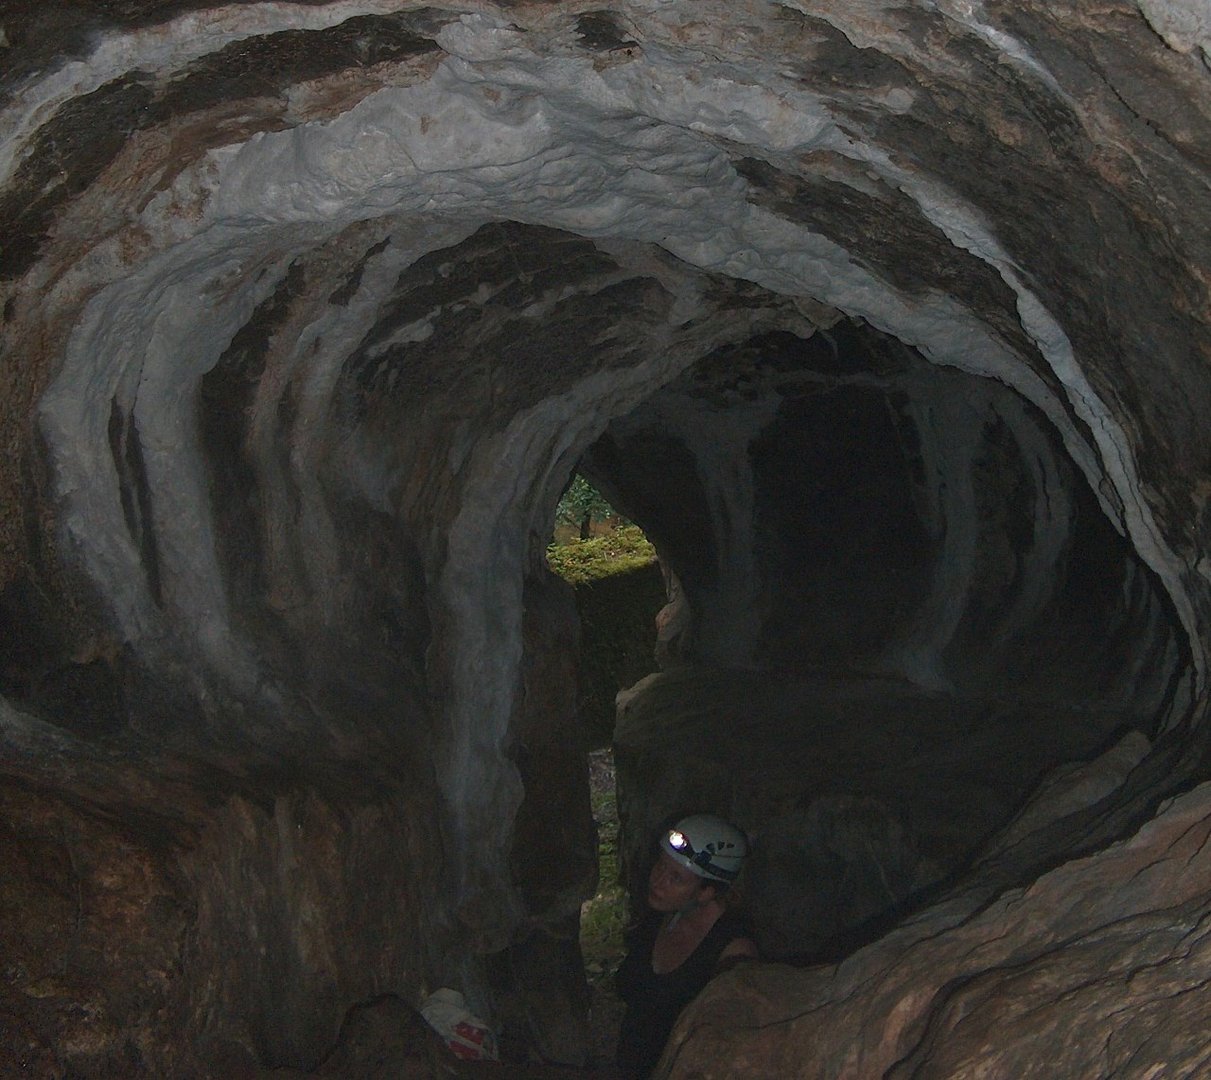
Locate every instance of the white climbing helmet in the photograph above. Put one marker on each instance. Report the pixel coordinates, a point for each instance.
(707, 845)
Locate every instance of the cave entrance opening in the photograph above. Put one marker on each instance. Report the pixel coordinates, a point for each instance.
(619, 590)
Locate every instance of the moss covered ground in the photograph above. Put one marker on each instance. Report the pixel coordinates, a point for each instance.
(619, 590)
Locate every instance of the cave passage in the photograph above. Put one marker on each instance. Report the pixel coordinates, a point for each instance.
(889, 325)
(895, 607)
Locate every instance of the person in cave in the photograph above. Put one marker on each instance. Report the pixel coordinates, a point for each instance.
(690, 933)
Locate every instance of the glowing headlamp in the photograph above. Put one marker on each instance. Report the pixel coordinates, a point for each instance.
(708, 846)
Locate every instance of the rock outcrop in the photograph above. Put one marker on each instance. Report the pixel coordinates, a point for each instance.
(1085, 972)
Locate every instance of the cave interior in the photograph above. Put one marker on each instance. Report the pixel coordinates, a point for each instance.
(891, 327)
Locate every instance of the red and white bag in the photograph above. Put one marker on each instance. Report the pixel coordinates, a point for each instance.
(466, 1035)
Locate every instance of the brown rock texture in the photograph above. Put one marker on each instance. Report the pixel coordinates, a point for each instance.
(1098, 968)
(140, 899)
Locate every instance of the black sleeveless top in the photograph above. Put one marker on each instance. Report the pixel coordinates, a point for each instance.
(654, 1001)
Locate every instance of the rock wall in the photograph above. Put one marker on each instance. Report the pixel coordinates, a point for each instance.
(1094, 968)
(144, 896)
(308, 311)
(838, 505)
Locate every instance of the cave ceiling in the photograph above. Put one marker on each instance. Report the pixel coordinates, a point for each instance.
(310, 310)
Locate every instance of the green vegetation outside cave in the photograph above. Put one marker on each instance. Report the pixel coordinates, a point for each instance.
(619, 590)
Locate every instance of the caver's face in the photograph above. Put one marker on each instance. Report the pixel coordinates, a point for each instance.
(671, 886)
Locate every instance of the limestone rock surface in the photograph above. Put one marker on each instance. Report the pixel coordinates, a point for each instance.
(1098, 968)
(891, 322)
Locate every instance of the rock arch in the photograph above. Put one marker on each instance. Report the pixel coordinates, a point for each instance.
(310, 310)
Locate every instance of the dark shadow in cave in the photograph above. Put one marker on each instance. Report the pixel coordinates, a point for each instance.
(895, 607)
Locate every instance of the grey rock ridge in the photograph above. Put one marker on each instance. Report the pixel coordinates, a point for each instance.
(891, 325)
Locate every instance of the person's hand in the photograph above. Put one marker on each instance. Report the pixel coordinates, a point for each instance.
(741, 948)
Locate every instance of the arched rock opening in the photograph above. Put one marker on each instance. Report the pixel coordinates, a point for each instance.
(310, 310)
(896, 607)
